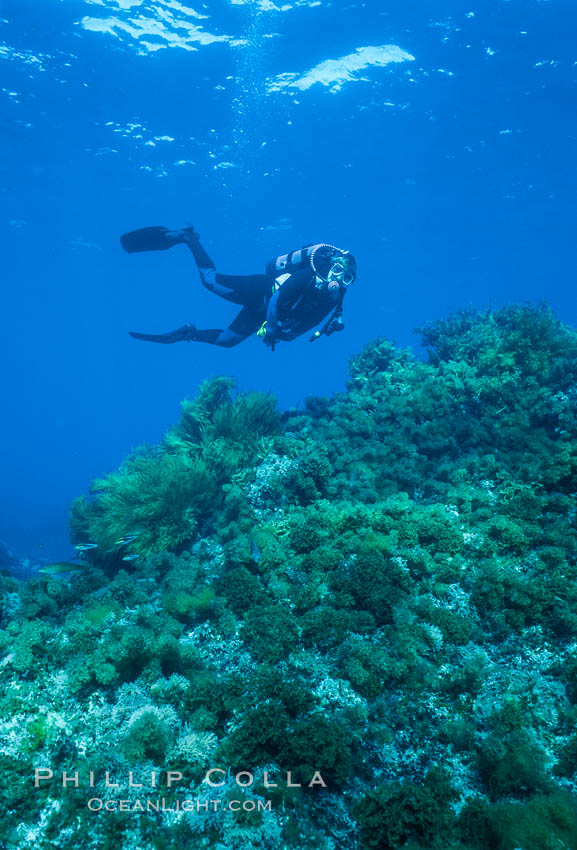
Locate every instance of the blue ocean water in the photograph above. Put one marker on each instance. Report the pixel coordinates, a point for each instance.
(435, 141)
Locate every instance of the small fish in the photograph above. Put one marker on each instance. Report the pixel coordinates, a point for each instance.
(128, 538)
(130, 557)
(85, 547)
(79, 243)
(254, 552)
(60, 568)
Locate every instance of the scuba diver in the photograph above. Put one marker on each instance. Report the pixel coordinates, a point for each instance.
(296, 292)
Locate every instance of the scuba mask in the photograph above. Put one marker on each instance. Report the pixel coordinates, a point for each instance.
(340, 273)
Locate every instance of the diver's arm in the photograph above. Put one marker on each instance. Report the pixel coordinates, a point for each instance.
(283, 300)
(272, 326)
(336, 322)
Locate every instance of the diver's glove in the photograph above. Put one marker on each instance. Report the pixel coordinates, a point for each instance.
(186, 332)
(331, 327)
(337, 324)
(268, 337)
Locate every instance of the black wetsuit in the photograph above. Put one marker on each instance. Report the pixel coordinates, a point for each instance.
(290, 307)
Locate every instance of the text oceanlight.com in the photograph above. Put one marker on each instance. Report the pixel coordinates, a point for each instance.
(160, 804)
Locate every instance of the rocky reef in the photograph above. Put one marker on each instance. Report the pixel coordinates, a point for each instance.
(358, 619)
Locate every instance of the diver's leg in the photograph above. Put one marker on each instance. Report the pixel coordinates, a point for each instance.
(190, 237)
(247, 290)
(246, 323)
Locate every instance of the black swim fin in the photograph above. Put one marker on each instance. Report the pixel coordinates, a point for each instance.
(147, 239)
(186, 333)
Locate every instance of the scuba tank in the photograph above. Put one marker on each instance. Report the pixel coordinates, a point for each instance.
(315, 258)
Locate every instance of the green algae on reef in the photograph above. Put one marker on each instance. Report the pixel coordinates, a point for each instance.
(408, 630)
